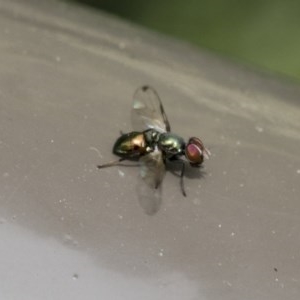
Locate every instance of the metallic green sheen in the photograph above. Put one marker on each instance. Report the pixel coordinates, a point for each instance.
(171, 144)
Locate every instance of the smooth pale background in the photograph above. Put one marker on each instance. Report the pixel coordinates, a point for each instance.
(70, 231)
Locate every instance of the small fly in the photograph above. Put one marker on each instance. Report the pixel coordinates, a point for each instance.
(153, 145)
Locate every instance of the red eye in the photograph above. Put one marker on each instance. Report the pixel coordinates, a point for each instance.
(195, 151)
(194, 154)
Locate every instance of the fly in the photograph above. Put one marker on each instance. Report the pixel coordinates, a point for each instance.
(153, 144)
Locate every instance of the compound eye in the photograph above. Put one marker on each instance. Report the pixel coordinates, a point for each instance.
(194, 154)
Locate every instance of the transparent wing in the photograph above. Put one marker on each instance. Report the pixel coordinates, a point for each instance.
(148, 111)
(152, 171)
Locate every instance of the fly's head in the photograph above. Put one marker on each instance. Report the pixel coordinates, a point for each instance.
(195, 152)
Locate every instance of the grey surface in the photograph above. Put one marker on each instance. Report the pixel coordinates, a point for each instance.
(70, 231)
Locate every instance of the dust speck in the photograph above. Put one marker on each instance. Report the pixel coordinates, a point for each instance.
(121, 173)
(259, 129)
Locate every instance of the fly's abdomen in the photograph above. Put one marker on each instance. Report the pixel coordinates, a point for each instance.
(130, 145)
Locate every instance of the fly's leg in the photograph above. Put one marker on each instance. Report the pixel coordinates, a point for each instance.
(178, 160)
(112, 163)
(181, 178)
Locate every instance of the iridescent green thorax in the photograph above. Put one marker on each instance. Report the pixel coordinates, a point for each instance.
(171, 144)
(151, 137)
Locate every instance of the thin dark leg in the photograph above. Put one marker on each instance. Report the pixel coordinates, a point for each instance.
(181, 179)
(112, 163)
